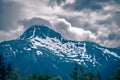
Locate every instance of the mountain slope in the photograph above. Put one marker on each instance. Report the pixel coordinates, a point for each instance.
(43, 50)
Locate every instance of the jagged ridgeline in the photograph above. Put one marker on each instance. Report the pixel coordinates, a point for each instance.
(41, 49)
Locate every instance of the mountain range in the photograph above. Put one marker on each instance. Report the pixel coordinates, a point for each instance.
(43, 50)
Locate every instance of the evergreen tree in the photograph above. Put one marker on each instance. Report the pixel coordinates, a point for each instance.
(5, 69)
(75, 75)
(56, 78)
(79, 73)
(14, 75)
(115, 75)
(2, 68)
(41, 77)
(44, 77)
(8, 70)
(98, 76)
(37, 77)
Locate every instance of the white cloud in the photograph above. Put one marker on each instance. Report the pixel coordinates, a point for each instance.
(71, 32)
(12, 34)
(86, 24)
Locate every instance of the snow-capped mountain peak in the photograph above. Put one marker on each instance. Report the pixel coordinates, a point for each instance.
(40, 31)
(46, 49)
(80, 52)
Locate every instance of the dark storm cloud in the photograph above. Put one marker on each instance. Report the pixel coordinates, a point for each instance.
(114, 36)
(84, 4)
(89, 4)
(117, 1)
(9, 14)
(116, 18)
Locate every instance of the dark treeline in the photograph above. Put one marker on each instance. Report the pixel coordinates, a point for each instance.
(5, 69)
(79, 73)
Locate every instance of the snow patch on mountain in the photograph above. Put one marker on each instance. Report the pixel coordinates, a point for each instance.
(106, 51)
(39, 52)
(68, 49)
(28, 49)
(33, 33)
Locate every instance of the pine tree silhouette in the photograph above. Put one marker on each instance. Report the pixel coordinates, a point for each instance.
(2, 68)
(75, 75)
(5, 69)
(8, 70)
(79, 73)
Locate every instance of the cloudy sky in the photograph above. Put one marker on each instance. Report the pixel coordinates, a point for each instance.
(91, 20)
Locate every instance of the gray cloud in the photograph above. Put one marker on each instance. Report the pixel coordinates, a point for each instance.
(62, 27)
(91, 20)
(85, 4)
(55, 2)
(10, 12)
(114, 36)
(89, 4)
(34, 21)
(78, 21)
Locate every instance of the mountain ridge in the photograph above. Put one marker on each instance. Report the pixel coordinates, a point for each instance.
(51, 49)
(40, 31)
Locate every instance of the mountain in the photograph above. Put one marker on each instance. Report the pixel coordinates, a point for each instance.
(41, 49)
(41, 32)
